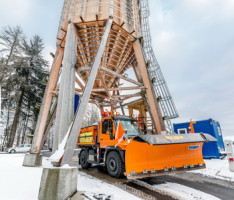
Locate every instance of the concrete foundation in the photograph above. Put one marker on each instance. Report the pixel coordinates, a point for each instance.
(32, 160)
(58, 183)
(78, 196)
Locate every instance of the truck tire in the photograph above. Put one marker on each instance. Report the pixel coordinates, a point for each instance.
(114, 164)
(83, 160)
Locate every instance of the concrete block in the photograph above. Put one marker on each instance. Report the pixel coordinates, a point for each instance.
(32, 160)
(78, 196)
(58, 183)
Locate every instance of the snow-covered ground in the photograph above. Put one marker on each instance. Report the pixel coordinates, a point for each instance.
(22, 183)
(17, 182)
(218, 169)
(183, 192)
(98, 187)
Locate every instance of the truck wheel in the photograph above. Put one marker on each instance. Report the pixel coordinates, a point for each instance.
(83, 160)
(114, 164)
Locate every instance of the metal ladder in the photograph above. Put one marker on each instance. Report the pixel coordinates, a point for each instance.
(161, 90)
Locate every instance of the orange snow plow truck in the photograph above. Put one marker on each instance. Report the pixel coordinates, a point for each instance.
(117, 144)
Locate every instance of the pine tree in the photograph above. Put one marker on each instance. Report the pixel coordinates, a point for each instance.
(10, 48)
(32, 75)
(23, 79)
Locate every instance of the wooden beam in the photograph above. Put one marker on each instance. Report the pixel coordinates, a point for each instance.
(104, 84)
(79, 83)
(79, 69)
(151, 97)
(45, 107)
(127, 95)
(76, 126)
(106, 97)
(132, 102)
(113, 73)
(120, 76)
(119, 89)
(50, 120)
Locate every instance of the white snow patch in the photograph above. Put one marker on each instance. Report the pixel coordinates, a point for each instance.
(183, 192)
(59, 153)
(95, 187)
(228, 138)
(218, 169)
(17, 182)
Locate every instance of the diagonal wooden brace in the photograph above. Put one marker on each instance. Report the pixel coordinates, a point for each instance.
(45, 108)
(154, 110)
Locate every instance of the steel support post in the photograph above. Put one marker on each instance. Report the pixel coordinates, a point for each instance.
(74, 134)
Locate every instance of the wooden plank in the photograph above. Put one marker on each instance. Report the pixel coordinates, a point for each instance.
(121, 76)
(75, 130)
(106, 97)
(151, 98)
(50, 120)
(115, 74)
(79, 83)
(45, 107)
(119, 89)
(127, 95)
(104, 84)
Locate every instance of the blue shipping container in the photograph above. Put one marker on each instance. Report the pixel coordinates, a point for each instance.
(210, 126)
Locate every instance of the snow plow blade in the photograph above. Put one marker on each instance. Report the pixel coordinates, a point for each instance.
(154, 155)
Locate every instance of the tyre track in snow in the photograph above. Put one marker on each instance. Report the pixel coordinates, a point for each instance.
(147, 188)
(142, 188)
(218, 188)
(131, 186)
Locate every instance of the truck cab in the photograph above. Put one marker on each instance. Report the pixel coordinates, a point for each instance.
(108, 132)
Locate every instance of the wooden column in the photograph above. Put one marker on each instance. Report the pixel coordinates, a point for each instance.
(154, 109)
(75, 130)
(45, 107)
(130, 111)
(65, 107)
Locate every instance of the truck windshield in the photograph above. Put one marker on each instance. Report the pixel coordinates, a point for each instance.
(129, 126)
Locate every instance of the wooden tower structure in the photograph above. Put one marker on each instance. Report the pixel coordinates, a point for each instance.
(99, 43)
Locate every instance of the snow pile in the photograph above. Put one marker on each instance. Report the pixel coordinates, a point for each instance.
(218, 169)
(184, 193)
(17, 182)
(228, 138)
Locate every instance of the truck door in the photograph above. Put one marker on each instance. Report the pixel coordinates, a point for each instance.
(107, 135)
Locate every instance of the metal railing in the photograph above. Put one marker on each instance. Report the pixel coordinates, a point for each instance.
(166, 102)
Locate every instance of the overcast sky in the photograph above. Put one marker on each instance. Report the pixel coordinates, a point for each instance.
(193, 41)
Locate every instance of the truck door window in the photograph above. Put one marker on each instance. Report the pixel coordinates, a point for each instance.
(107, 125)
(104, 126)
(107, 128)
